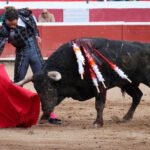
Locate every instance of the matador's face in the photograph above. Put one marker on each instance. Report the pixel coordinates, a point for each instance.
(12, 24)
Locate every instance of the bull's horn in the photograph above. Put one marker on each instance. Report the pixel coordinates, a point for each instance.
(24, 81)
(54, 75)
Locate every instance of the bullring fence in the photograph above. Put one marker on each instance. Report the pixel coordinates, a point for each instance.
(113, 20)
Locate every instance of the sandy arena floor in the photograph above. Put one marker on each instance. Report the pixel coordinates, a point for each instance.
(77, 133)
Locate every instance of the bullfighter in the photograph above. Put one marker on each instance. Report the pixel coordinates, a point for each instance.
(19, 29)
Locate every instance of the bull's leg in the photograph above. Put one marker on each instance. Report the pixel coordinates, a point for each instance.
(136, 95)
(99, 105)
(45, 115)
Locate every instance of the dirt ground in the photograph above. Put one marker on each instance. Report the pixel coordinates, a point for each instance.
(77, 132)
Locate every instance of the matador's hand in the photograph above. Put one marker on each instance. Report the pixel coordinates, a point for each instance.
(39, 40)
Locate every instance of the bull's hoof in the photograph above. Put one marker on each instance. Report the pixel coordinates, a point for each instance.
(45, 116)
(43, 121)
(127, 117)
(97, 124)
(55, 121)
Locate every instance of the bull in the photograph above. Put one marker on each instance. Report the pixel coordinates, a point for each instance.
(59, 77)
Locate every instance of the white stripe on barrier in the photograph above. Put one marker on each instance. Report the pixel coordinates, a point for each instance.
(12, 59)
(91, 23)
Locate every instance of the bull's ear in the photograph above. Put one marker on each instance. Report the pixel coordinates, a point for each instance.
(54, 75)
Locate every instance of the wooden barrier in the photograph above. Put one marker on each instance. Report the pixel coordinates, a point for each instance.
(54, 35)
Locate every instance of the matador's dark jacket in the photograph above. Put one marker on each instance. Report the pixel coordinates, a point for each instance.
(17, 36)
(20, 34)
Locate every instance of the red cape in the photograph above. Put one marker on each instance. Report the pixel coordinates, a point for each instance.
(18, 106)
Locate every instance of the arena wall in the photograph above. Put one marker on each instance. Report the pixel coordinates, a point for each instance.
(113, 20)
(55, 34)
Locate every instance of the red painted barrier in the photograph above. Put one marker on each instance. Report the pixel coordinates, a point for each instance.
(54, 36)
(127, 15)
(136, 33)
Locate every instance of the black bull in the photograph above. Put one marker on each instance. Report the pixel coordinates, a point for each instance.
(132, 57)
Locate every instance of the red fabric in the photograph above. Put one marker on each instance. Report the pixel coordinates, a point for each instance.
(18, 106)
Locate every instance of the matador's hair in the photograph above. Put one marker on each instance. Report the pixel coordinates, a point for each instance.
(11, 14)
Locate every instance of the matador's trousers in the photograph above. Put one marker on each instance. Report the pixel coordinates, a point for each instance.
(28, 55)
